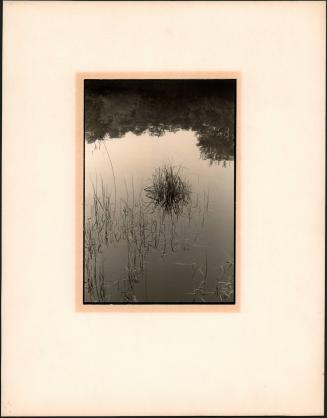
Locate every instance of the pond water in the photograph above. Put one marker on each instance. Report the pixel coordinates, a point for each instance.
(193, 246)
(159, 191)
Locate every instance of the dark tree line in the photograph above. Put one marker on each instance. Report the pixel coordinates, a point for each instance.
(207, 107)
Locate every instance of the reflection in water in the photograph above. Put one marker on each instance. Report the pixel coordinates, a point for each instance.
(141, 225)
(159, 220)
(206, 107)
(168, 190)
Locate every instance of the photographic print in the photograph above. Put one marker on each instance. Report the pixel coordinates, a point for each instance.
(159, 191)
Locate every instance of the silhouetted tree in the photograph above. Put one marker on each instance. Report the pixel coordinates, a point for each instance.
(207, 107)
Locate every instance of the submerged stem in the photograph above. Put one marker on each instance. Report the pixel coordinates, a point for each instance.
(113, 175)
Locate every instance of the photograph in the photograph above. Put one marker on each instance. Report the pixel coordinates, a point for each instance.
(159, 191)
(164, 180)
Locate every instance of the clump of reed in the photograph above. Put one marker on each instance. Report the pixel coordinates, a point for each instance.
(225, 282)
(168, 189)
(223, 290)
(95, 283)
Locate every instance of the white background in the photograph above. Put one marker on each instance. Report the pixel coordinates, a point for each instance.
(265, 359)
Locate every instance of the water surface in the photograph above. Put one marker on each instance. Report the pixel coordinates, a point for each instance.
(137, 250)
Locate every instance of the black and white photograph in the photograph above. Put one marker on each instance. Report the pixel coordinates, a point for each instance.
(159, 191)
(163, 211)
